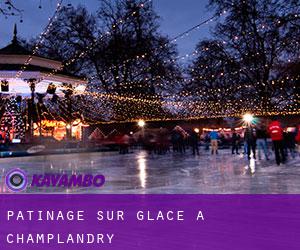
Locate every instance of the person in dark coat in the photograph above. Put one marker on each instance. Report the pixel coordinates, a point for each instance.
(290, 143)
(235, 139)
(250, 139)
(194, 140)
(261, 136)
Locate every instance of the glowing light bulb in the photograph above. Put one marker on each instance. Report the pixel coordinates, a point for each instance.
(248, 118)
(141, 123)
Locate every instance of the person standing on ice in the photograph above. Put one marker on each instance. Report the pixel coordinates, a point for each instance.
(214, 141)
(250, 139)
(276, 134)
(261, 134)
(194, 141)
(235, 139)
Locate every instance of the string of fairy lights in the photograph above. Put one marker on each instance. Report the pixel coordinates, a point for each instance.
(41, 38)
(174, 39)
(95, 42)
(99, 107)
(196, 52)
(206, 109)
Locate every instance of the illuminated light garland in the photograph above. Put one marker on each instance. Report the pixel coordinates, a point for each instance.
(141, 56)
(175, 103)
(187, 80)
(222, 113)
(41, 39)
(49, 112)
(171, 60)
(201, 93)
(181, 35)
(190, 80)
(243, 85)
(90, 47)
(237, 115)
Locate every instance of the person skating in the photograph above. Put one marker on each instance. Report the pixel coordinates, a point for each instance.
(235, 139)
(290, 143)
(194, 140)
(276, 134)
(261, 136)
(250, 139)
(206, 141)
(214, 141)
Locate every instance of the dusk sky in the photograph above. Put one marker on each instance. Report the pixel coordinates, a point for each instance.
(176, 17)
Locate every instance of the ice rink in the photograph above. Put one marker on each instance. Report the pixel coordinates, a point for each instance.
(141, 173)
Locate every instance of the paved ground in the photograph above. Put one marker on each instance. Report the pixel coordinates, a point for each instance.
(172, 173)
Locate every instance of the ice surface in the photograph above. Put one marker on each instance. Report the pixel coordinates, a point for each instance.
(141, 173)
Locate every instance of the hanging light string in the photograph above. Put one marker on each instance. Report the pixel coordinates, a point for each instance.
(186, 80)
(218, 90)
(95, 42)
(174, 39)
(41, 38)
(184, 57)
(193, 79)
(90, 47)
(206, 114)
(49, 111)
(174, 103)
(184, 110)
(196, 105)
(140, 100)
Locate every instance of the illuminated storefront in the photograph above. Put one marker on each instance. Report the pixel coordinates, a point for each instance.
(58, 129)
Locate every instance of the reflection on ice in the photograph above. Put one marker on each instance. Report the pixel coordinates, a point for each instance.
(141, 159)
(252, 165)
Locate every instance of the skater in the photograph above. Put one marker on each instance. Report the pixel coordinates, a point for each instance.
(194, 140)
(289, 138)
(261, 135)
(235, 139)
(250, 139)
(276, 134)
(214, 141)
(206, 141)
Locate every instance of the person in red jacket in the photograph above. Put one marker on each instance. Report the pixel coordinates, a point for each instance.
(276, 134)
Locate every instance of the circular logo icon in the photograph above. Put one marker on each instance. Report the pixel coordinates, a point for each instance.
(16, 180)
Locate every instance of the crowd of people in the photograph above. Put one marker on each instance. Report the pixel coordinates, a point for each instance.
(254, 140)
(284, 142)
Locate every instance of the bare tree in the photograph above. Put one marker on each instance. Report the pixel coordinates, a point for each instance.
(250, 44)
(120, 49)
(9, 8)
